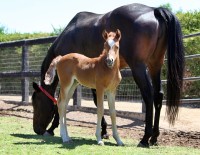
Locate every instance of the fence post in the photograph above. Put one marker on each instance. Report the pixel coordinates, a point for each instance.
(77, 97)
(25, 80)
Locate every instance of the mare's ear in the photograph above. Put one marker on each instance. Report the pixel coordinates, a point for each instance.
(36, 87)
(118, 35)
(105, 34)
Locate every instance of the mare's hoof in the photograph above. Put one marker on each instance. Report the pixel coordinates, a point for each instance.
(48, 134)
(101, 143)
(105, 136)
(143, 145)
(153, 143)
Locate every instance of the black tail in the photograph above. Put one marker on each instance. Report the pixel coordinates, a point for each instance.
(175, 59)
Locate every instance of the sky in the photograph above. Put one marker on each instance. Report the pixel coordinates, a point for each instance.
(29, 16)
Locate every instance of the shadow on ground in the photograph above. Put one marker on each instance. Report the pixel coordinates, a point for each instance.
(49, 140)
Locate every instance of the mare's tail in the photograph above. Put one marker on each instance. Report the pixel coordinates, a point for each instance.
(51, 72)
(175, 62)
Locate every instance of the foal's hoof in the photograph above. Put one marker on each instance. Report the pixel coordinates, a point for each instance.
(101, 143)
(70, 141)
(120, 144)
(105, 136)
(143, 145)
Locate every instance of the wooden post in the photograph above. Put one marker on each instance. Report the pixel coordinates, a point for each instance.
(77, 97)
(25, 80)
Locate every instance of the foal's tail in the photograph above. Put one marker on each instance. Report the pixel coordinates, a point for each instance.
(175, 59)
(50, 74)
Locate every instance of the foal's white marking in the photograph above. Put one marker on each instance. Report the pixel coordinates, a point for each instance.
(111, 42)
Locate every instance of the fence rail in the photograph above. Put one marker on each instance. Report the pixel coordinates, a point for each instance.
(25, 73)
(27, 42)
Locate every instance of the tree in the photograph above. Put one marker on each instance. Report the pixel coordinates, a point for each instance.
(2, 29)
(167, 5)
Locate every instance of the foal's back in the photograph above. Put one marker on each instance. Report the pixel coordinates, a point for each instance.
(89, 72)
(78, 67)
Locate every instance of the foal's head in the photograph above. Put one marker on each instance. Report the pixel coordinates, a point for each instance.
(111, 46)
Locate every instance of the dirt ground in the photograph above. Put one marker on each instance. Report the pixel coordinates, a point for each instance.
(186, 131)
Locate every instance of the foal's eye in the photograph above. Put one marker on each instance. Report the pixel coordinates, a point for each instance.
(116, 47)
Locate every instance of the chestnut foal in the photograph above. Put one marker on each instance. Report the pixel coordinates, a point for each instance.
(101, 73)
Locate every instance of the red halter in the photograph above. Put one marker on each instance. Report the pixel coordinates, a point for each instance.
(48, 95)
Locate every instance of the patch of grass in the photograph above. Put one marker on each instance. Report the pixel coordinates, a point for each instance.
(17, 137)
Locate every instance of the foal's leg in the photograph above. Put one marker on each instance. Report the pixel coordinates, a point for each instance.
(100, 111)
(62, 103)
(65, 95)
(142, 79)
(158, 97)
(103, 121)
(111, 103)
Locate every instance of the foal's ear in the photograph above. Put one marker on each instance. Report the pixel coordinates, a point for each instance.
(118, 35)
(105, 34)
(36, 87)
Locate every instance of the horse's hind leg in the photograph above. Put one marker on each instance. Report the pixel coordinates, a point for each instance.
(142, 79)
(111, 103)
(158, 97)
(103, 121)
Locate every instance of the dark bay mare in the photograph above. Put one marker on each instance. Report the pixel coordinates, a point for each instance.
(147, 34)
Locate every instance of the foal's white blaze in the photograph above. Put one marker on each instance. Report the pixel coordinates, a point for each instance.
(111, 43)
(110, 58)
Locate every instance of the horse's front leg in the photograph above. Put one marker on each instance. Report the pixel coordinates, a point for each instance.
(111, 104)
(62, 113)
(54, 124)
(104, 133)
(100, 111)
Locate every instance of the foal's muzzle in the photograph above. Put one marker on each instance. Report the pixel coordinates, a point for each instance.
(110, 62)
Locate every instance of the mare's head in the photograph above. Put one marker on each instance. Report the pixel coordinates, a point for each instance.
(43, 110)
(111, 46)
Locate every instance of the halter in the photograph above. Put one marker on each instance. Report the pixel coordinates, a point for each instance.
(48, 95)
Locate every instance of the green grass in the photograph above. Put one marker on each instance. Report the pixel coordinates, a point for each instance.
(17, 137)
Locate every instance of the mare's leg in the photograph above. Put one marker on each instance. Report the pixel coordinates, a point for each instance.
(100, 111)
(158, 97)
(142, 79)
(65, 95)
(55, 122)
(111, 103)
(103, 121)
